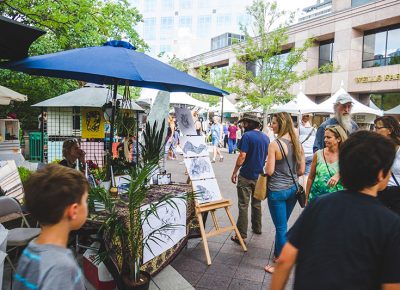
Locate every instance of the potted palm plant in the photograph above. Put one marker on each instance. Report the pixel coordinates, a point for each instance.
(126, 229)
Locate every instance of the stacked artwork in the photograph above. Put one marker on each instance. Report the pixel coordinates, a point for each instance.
(197, 160)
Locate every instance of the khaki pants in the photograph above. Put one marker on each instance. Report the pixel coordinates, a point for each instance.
(245, 189)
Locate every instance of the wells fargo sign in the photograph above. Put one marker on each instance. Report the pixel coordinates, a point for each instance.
(378, 78)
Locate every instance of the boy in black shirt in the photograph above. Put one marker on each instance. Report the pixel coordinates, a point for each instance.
(347, 239)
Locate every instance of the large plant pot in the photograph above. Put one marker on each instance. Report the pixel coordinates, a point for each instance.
(143, 285)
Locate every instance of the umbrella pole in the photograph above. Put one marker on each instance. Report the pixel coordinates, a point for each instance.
(112, 123)
(137, 138)
(222, 109)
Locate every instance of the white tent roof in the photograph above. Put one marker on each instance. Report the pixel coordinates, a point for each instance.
(393, 111)
(228, 107)
(242, 108)
(301, 104)
(149, 95)
(7, 95)
(84, 97)
(358, 108)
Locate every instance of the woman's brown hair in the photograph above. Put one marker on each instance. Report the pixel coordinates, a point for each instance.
(339, 132)
(392, 124)
(285, 125)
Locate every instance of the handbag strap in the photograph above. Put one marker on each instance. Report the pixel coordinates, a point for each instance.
(308, 136)
(395, 180)
(327, 167)
(287, 161)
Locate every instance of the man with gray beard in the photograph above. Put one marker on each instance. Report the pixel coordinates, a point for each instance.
(342, 108)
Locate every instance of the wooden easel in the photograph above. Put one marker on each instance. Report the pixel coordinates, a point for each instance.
(212, 207)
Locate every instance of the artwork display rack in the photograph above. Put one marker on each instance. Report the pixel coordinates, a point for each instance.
(199, 168)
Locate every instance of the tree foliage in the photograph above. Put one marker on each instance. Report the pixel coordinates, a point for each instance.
(69, 24)
(274, 68)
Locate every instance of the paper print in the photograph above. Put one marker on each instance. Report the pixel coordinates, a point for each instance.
(206, 190)
(194, 146)
(199, 168)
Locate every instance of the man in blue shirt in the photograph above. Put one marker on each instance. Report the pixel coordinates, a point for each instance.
(342, 108)
(253, 152)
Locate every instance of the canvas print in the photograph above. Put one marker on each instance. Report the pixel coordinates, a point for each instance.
(193, 146)
(206, 190)
(92, 123)
(10, 182)
(185, 121)
(199, 168)
(173, 219)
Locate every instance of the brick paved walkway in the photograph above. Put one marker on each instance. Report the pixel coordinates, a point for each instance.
(231, 267)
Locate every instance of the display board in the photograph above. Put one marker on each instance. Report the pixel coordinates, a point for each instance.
(163, 229)
(193, 146)
(92, 123)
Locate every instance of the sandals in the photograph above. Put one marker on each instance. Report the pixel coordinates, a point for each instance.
(236, 240)
(269, 269)
(221, 158)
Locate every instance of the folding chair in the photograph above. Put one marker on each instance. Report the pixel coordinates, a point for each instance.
(18, 237)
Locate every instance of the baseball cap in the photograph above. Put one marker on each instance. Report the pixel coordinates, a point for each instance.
(344, 99)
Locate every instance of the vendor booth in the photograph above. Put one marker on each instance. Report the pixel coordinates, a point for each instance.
(80, 114)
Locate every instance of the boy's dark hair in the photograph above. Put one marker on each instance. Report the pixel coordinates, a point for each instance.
(362, 156)
(49, 191)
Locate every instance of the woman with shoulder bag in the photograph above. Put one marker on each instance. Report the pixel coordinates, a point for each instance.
(324, 174)
(285, 162)
(389, 127)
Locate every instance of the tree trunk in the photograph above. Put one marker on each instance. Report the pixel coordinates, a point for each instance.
(265, 121)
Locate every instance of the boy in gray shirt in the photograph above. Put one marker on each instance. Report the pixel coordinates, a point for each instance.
(57, 197)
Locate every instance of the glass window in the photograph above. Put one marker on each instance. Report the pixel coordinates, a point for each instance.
(223, 20)
(243, 19)
(185, 4)
(185, 22)
(149, 28)
(393, 47)
(355, 3)
(381, 47)
(325, 52)
(150, 5)
(167, 4)
(166, 27)
(203, 25)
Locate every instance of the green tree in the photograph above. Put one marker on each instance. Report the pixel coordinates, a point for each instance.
(69, 24)
(273, 68)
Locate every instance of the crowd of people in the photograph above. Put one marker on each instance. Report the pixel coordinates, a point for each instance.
(347, 237)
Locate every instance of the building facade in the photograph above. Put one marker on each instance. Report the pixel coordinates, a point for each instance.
(185, 27)
(362, 40)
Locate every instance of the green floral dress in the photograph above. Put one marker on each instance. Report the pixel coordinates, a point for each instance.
(319, 185)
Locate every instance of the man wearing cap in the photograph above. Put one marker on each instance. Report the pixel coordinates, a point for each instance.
(253, 148)
(342, 109)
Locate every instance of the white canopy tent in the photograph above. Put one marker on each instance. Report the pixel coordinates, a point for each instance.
(90, 96)
(393, 111)
(228, 107)
(149, 95)
(300, 105)
(358, 108)
(7, 95)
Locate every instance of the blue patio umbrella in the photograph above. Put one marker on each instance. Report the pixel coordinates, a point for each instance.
(116, 62)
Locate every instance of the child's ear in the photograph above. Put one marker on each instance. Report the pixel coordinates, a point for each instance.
(72, 211)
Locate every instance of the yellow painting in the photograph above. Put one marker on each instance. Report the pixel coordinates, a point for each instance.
(92, 123)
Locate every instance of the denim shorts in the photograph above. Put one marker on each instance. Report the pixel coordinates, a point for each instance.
(308, 165)
(215, 141)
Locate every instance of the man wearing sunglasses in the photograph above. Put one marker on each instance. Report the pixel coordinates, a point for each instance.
(342, 109)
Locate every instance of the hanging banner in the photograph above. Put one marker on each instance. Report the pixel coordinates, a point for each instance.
(92, 123)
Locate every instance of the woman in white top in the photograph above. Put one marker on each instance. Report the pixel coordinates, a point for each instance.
(388, 126)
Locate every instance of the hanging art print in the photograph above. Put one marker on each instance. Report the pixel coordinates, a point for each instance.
(92, 123)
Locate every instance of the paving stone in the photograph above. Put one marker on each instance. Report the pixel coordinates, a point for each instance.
(170, 279)
(221, 269)
(211, 281)
(241, 284)
(229, 258)
(191, 277)
(250, 272)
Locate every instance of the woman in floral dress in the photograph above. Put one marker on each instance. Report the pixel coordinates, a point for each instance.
(324, 174)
